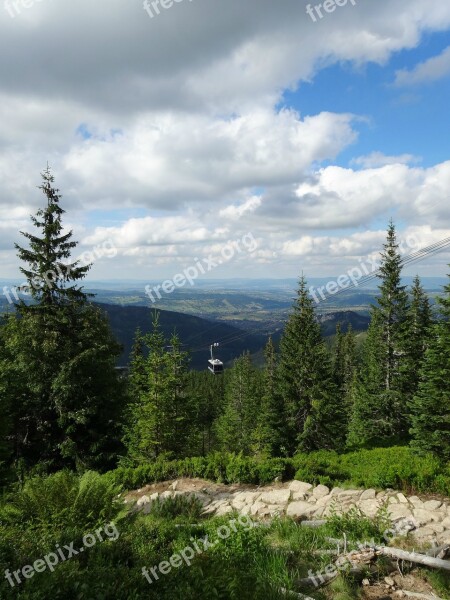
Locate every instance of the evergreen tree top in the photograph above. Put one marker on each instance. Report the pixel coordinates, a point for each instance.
(49, 273)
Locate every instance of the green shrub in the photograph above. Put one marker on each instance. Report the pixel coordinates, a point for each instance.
(177, 506)
(63, 500)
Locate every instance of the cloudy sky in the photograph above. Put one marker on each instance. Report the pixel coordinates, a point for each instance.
(171, 134)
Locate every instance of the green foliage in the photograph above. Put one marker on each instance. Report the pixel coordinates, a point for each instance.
(57, 358)
(159, 411)
(396, 467)
(177, 506)
(431, 407)
(236, 426)
(63, 500)
(314, 415)
(357, 527)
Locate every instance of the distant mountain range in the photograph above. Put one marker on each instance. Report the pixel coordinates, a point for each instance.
(197, 334)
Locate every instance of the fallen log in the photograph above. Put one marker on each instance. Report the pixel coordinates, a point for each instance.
(414, 557)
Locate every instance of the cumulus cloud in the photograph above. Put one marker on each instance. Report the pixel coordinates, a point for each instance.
(178, 118)
(431, 70)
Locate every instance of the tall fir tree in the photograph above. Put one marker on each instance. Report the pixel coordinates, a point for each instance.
(268, 435)
(380, 411)
(158, 417)
(420, 319)
(236, 426)
(306, 385)
(59, 365)
(431, 405)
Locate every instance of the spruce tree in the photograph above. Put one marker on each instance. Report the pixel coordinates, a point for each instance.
(306, 386)
(158, 416)
(60, 356)
(420, 321)
(268, 435)
(380, 411)
(431, 405)
(235, 428)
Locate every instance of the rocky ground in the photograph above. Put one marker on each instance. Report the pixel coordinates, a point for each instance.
(426, 519)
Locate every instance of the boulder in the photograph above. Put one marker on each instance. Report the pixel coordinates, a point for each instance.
(320, 491)
(300, 509)
(368, 495)
(300, 487)
(276, 497)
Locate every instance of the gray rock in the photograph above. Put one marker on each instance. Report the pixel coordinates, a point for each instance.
(300, 487)
(300, 509)
(320, 491)
(368, 495)
(432, 505)
(276, 497)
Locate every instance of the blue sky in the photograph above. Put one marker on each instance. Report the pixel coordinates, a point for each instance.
(216, 120)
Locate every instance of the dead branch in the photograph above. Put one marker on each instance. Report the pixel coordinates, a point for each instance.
(415, 557)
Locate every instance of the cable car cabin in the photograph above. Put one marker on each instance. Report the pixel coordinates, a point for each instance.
(215, 366)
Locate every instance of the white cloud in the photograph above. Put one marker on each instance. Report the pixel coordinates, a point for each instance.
(378, 159)
(431, 70)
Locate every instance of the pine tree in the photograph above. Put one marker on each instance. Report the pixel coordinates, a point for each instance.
(380, 411)
(60, 357)
(206, 394)
(235, 428)
(420, 321)
(344, 359)
(51, 278)
(306, 387)
(431, 405)
(159, 415)
(268, 435)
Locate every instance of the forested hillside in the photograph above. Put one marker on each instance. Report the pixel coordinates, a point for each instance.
(66, 410)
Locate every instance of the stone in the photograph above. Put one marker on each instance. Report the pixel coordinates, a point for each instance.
(436, 527)
(247, 497)
(256, 507)
(389, 581)
(393, 500)
(399, 511)
(402, 498)
(368, 495)
(424, 532)
(300, 509)
(446, 522)
(349, 494)
(300, 487)
(365, 582)
(336, 491)
(432, 505)
(276, 497)
(324, 500)
(320, 491)
(369, 507)
(224, 509)
(174, 485)
(417, 502)
(423, 516)
(143, 500)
